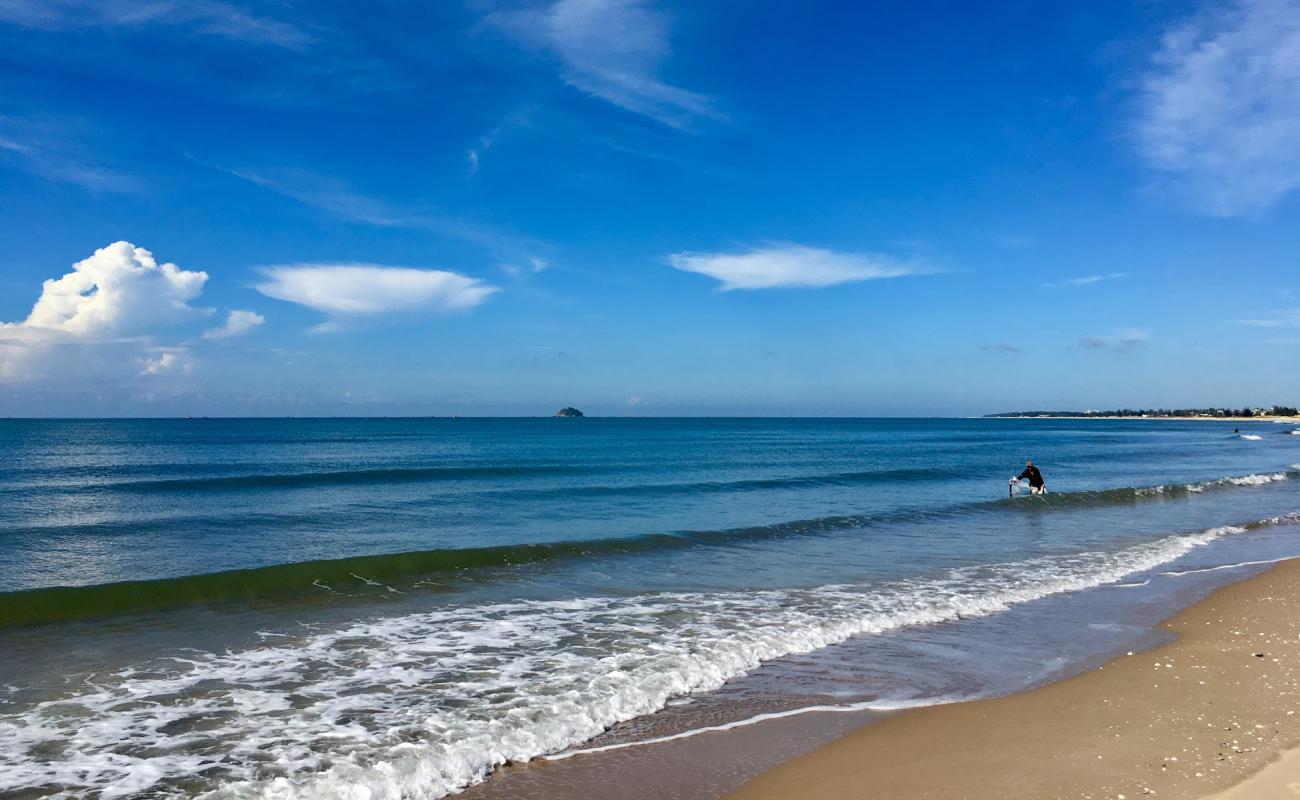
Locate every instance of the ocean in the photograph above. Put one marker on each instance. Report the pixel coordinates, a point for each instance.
(386, 608)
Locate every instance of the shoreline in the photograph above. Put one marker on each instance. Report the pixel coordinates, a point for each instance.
(1192, 718)
(1292, 420)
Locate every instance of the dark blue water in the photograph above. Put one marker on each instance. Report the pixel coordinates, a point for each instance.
(309, 607)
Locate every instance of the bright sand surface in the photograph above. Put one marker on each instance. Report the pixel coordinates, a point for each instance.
(1189, 719)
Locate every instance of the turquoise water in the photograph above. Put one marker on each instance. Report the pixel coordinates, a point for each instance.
(286, 608)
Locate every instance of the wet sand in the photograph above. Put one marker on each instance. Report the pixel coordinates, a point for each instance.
(1190, 719)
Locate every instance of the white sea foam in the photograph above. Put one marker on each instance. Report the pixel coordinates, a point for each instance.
(423, 705)
(1251, 437)
(1241, 480)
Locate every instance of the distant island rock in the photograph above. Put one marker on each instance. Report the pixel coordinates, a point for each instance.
(569, 411)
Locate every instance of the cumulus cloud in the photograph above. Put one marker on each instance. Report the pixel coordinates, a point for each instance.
(360, 289)
(237, 323)
(120, 290)
(167, 361)
(791, 266)
(613, 50)
(1122, 342)
(1221, 106)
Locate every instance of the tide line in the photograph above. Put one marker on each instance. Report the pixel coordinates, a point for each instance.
(754, 720)
(1229, 566)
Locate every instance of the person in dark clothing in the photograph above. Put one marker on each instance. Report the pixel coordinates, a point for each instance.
(1034, 477)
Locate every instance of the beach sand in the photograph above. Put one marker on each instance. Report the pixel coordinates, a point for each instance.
(1190, 719)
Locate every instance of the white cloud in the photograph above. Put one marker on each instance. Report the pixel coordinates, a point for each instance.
(613, 50)
(485, 143)
(1087, 280)
(352, 289)
(167, 361)
(791, 266)
(237, 324)
(119, 291)
(1221, 106)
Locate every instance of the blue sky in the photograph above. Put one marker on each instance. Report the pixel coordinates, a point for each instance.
(635, 208)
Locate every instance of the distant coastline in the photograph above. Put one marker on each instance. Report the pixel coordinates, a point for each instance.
(1270, 414)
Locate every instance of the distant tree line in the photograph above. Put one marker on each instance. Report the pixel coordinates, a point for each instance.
(1274, 411)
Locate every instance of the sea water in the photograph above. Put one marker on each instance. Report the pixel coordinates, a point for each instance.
(395, 607)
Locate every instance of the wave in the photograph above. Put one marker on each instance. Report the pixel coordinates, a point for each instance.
(423, 705)
(67, 603)
(1132, 494)
(391, 475)
(340, 477)
(756, 484)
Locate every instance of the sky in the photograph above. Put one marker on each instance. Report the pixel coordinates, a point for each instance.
(231, 208)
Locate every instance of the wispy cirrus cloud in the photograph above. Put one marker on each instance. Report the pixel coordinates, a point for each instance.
(1220, 113)
(363, 290)
(1284, 318)
(53, 149)
(1125, 341)
(1005, 348)
(339, 198)
(1086, 280)
(782, 266)
(613, 50)
(208, 17)
(1014, 241)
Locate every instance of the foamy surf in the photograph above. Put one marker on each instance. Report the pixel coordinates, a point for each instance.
(1257, 479)
(426, 704)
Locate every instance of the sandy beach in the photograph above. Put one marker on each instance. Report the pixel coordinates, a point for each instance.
(1212, 714)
